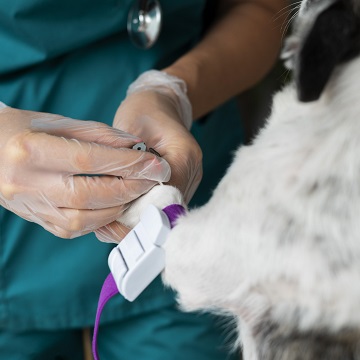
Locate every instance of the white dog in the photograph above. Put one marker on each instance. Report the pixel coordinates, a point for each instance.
(278, 244)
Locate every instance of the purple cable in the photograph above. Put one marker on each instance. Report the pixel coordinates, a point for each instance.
(173, 212)
(109, 288)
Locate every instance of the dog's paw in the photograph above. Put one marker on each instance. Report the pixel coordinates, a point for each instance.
(191, 252)
(160, 196)
(183, 263)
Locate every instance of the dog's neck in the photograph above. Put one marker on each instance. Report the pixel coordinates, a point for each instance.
(342, 91)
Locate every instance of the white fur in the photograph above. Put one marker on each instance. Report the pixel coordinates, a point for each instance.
(160, 195)
(281, 234)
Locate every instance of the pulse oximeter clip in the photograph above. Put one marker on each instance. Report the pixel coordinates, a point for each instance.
(139, 257)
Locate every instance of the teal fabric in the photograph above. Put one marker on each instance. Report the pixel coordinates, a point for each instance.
(165, 334)
(42, 345)
(168, 334)
(75, 58)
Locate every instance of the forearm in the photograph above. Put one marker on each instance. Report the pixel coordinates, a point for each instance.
(236, 53)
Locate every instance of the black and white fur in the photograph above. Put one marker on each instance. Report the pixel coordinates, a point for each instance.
(278, 244)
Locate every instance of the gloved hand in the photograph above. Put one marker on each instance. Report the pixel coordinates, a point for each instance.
(44, 159)
(157, 110)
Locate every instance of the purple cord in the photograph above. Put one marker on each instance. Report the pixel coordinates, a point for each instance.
(109, 288)
(173, 212)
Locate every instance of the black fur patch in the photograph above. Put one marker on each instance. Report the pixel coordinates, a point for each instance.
(333, 39)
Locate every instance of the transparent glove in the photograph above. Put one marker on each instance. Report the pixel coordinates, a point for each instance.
(157, 110)
(44, 163)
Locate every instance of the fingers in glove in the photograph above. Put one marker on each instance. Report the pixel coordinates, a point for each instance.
(112, 233)
(97, 192)
(78, 157)
(71, 223)
(90, 131)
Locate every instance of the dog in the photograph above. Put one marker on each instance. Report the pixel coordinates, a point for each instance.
(278, 244)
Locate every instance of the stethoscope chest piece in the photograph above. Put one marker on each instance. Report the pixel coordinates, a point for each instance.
(144, 23)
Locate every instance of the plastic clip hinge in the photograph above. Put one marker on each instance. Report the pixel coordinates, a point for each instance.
(139, 258)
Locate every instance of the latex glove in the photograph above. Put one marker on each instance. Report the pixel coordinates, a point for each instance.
(157, 110)
(44, 159)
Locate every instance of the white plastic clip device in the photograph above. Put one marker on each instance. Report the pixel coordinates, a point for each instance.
(139, 257)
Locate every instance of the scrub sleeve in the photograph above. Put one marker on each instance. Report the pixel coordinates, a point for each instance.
(75, 58)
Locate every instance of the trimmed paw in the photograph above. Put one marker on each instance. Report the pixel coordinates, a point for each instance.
(160, 196)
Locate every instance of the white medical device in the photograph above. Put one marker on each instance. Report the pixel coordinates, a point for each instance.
(139, 257)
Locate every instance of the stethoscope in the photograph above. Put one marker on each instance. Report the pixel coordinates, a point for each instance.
(144, 23)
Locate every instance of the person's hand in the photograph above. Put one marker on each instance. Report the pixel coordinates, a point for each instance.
(157, 110)
(44, 160)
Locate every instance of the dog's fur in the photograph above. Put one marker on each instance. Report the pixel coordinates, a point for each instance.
(278, 244)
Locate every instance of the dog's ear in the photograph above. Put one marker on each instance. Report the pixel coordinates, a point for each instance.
(333, 38)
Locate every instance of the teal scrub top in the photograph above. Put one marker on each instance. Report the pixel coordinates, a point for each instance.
(75, 58)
